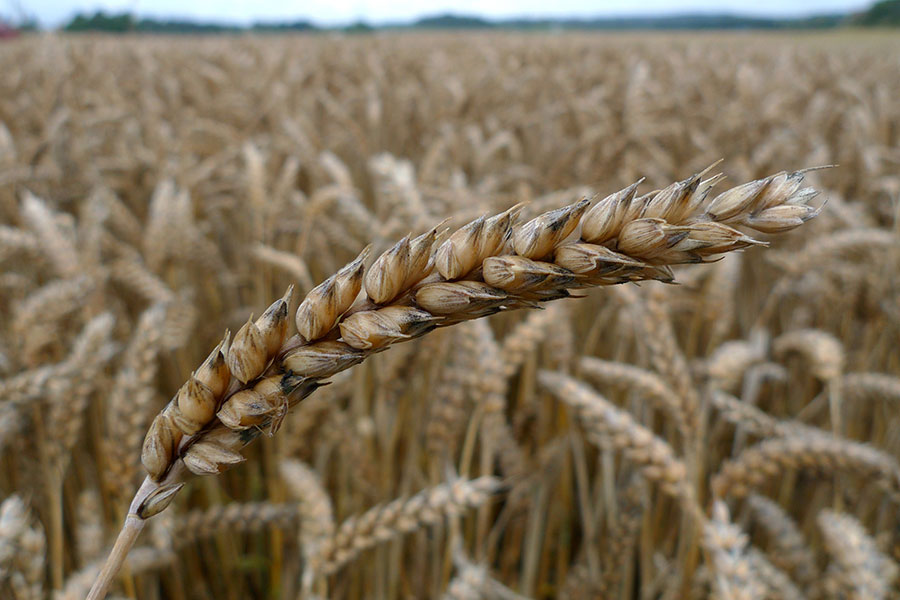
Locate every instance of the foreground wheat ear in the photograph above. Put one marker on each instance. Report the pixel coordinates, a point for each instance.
(248, 383)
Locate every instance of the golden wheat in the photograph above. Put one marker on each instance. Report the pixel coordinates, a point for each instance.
(154, 193)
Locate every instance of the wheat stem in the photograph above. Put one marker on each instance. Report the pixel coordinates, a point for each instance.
(131, 529)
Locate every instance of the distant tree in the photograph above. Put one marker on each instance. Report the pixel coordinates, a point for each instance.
(100, 21)
(176, 26)
(284, 27)
(451, 21)
(882, 13)
(359, 27)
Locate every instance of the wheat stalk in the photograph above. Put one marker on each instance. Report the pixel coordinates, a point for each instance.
(489, 265)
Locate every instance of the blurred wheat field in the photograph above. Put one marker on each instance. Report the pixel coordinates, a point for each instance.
(155, 192)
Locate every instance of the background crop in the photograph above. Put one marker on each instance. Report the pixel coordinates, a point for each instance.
(155, 191)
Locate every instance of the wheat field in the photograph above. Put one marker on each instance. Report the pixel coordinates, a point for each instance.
(598, 391)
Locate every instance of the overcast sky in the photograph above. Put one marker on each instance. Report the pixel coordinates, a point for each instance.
(52, 12)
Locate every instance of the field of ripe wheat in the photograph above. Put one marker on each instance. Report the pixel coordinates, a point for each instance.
(450, 316)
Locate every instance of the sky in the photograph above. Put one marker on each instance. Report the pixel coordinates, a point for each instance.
(330, 12)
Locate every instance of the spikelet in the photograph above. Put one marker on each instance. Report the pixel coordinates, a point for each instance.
(782, 188)
(676, 202)
(538, 237)
(649, 238)
(216, 451)
(266, 405)
(158, 500)
(385, 278)
(374, 329)
(273, 323)
(470, 299)
(778, 206)
(247, 356)
(159, 444)
(253, 407)
(497, 231)
(467, 247)
(257, 342)
(458, 255)
(322, 359)
(519, 275)
(400, 268)
(214, 372)
(714, 238)
(779, 219)
(421, 258)
(196, 406)
(736, 201)
(325, 303)
(605, 219)
(591, 259)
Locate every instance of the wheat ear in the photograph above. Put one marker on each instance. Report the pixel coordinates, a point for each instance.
(399, 517)
(806, 451)
(858, 569)
(647, 384)
(489, 265)
(789, 550)
(734, 577)
(606, 422)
